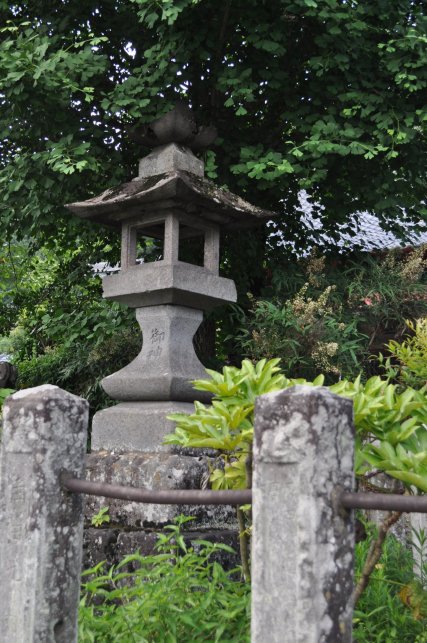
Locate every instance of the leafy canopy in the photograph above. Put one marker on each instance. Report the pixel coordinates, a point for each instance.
(317, 94)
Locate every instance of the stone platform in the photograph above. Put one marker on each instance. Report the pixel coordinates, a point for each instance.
(133, 526)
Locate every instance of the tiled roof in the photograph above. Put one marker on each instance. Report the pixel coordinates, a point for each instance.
(366, 232)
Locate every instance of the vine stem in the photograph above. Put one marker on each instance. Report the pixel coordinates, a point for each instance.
(374, 553)
(243, 542)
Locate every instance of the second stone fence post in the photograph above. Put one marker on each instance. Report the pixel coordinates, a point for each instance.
(303, 543)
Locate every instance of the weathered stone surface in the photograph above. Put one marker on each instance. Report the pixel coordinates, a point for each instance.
(160, 283)
(302, 558)
(130, 542)
(168, 158)
(211, 258)
(167, 362)
(41, 525)
(153, 471)
(99, 545)
(136, 426)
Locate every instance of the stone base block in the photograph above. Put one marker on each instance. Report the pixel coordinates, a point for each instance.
(153, 471)
(136, 426)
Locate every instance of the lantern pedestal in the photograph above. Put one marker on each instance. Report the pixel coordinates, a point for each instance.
(167, 361)
(154, 385)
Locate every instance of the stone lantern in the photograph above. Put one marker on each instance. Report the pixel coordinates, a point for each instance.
(168, 203)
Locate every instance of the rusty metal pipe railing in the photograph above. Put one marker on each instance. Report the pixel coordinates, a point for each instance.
(349, 500)
(155, 496)
(383, 502)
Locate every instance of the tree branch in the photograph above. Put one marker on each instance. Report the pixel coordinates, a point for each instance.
(244, 548)
(374, 553)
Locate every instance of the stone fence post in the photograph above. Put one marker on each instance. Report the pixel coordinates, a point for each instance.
(41, 526)
(302, 557)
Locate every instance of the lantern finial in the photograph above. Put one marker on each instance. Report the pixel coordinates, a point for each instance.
(176, 126)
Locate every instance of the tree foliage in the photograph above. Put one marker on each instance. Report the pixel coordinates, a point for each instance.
(322, 95)
(317, 94)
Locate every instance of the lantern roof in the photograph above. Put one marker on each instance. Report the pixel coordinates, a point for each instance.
(175, 189)
(171, 177)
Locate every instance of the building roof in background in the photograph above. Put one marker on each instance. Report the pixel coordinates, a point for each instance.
(363, 232)
(368, 235)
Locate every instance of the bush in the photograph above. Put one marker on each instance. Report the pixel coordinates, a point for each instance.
(391, 433)
(56, 326)
(328, 316)
(308, 333)
(177, 594)
(79, 367)
(407, 361)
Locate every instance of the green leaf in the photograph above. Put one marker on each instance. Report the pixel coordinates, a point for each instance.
(418, 481)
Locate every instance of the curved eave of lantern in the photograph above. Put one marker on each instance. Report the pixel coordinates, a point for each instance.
(178, 189)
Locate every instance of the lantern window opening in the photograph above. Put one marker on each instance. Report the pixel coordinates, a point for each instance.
(191, 245)
(149, 245)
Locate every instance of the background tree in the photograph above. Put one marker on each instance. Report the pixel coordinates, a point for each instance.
(317, 94)
(321, 95)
